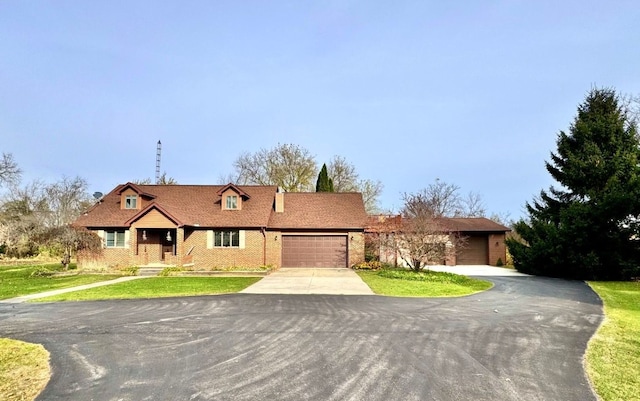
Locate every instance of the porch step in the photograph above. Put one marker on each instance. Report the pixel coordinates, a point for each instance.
(149, 271)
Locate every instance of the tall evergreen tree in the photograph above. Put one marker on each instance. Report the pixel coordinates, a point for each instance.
(587, 228)
(324, 183)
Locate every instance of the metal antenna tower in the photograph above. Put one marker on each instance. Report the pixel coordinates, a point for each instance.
(159, 150)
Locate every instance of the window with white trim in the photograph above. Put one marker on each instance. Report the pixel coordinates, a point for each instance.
(226, 239)
(232, 201)
(114, 239)
(131, 202)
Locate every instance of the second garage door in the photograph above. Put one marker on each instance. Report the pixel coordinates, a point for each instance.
(475, 252)
(314, 251)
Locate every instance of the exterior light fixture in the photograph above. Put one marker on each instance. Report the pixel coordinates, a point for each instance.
(169, 236)
(144, 235)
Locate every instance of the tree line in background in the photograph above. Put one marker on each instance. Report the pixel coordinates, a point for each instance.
(294, 169)
(35, 217)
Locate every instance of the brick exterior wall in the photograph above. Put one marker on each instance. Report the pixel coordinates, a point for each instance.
(356, 248)
(255, 252)
(274, 248)
(108, 258)
(497, 249)
(221, 257)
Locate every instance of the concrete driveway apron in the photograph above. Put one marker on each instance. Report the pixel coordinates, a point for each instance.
(332, 281)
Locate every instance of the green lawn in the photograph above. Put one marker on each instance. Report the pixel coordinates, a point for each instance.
(156, 287)
(613, 354)
(24, 370)
(17, 280)
(403, 283)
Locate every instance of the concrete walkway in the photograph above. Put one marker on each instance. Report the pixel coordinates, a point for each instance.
(338, 281)
(29, 297)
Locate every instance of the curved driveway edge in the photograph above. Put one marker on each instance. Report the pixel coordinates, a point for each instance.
(522, 340)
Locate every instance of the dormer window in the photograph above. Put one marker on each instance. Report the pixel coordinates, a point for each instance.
(232, 197)
(131, 202)
(232, 201)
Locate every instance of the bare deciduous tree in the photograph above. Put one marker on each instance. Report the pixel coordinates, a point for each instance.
(344, 175)
(22, 217)
(371, 191)
(164, 179)
(472, 206)
(28, 212)
(441, 199)
(423, 234)
(9, 171)
(346, 179)
(422, 241)
(295, 170)
(436, 200)
(288, 166)
(66, 199)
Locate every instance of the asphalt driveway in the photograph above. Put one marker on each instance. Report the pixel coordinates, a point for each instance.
(522, 340)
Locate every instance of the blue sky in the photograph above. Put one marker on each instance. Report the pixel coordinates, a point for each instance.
(470, 92)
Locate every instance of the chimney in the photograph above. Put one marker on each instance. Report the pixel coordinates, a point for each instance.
(279, 200)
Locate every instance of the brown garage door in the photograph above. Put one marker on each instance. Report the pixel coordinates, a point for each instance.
(314, 251)
(475, 252)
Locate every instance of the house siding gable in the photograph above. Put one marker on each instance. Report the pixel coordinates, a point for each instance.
(153, 219)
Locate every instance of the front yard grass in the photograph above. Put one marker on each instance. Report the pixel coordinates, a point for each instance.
(613, 354)
(24, 370)
(405, 283)
(157, 287)
(17, 280)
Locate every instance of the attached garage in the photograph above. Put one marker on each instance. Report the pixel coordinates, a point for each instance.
(314, 251)
(476, 252)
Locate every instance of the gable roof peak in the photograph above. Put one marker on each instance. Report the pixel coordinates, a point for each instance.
(153, 206)
(135, 188)
(234, 188)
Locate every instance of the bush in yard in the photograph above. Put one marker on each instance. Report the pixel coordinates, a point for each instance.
(42, 272)
(370, 265)
(170, 271)
(427, 276)
(129, 270)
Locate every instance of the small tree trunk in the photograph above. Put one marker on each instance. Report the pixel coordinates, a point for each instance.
(66, 260)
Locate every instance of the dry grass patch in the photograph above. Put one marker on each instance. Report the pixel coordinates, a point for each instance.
(24, 370)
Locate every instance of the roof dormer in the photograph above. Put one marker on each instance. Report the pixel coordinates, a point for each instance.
(232, 197)
(132, 196)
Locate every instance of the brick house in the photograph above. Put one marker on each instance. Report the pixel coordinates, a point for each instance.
(483, 239)
(217, 226)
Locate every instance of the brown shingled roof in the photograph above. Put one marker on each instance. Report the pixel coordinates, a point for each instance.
(321, 210)
(382, 223)
(473, 224)
(192, 205)
(189, 204)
